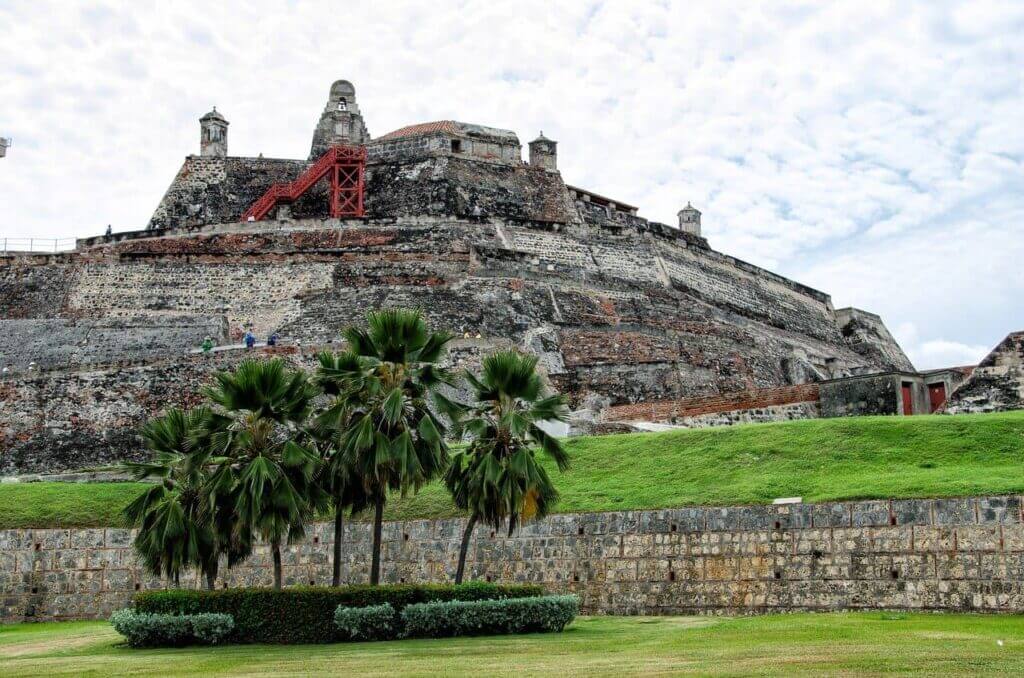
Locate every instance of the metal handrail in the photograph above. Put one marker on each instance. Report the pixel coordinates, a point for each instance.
(40, 245)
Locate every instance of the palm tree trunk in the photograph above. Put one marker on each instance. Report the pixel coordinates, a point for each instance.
(339, 532)
(275, 546)
(466, 535)
(378, 522)
(211, 576)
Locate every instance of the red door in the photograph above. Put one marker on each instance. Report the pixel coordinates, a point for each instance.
(936, 396)
(908, 398)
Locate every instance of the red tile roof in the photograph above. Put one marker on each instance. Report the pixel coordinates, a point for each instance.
(446, 126)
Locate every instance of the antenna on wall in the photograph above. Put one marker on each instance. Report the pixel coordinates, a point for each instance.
(5, 143)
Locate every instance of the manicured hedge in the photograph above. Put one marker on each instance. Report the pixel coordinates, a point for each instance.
(489, 617)
(306, 614)
(171, 630)
(376, 622)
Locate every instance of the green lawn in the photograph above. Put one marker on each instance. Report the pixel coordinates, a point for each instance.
(794, 644)
(820, 460)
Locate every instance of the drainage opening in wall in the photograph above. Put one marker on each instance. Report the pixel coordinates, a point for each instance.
(38, 546)
(316, 540)
(778, 525)
(895, 574)
(778, 574)
(579, 530)
(816, 553)
(138, 586)
(575, 577)
(892, 520)
(312, 583)
(488, 577)
(35, 589)
(673, 527)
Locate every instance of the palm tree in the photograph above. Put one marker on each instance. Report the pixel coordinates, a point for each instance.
(336, 474)
(498, 477)
(175, 517)
(391, 440)
(264, 475)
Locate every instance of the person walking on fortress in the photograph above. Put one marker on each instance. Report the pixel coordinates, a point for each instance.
(207, 344)
(272, 339)
(250, 340)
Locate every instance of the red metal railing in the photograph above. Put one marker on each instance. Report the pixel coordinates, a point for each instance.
(345, 166)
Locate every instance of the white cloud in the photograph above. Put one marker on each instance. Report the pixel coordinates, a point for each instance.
(870, 149)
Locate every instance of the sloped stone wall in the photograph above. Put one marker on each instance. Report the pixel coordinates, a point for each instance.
(942, 554)
(997, 383)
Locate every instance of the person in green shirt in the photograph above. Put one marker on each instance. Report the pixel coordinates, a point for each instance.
(207, 344)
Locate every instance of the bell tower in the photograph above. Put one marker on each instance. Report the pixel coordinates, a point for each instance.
(341, 122)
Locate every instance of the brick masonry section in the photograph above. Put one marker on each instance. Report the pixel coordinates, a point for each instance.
(669, 410)
(941, 554)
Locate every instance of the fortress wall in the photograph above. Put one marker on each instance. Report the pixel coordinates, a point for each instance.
(54, 421)
(57, 343)
(34, 287)
(918, 554)
(721, 283)
(997, 383)
(771, 404)
(61, 420)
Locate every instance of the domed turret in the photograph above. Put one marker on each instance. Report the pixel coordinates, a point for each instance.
(544, 152)
(213, 134)
(689, 219)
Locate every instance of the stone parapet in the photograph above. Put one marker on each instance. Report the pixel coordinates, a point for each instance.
(953, 554)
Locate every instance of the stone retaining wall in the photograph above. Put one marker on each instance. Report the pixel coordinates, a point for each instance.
(942, 554)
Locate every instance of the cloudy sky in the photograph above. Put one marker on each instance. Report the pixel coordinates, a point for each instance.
(872, 150)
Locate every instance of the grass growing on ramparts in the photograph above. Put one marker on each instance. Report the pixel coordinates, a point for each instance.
(819, 460)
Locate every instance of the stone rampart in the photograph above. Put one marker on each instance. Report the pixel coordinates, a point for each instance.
(769, 404)
(963, 554)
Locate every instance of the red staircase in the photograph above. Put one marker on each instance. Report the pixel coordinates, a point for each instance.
(344, 165)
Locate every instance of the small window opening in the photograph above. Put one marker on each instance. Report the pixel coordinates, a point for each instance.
(895, 574)
(405, 537)
(671, 575)
(892, 520)
(488, 577)
(673, 527)
(492, 534)
(138, 586)
(39, 546)
(224, 586)
(778, 574)
(456, 146)
(35, 589)
(778, 525)
(816, 553)
(342, 104)
(575, 577)
(316, 540)
(579, 530)
(312, 583)
(401, 580)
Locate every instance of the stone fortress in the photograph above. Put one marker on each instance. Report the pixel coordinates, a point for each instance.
(637, 321)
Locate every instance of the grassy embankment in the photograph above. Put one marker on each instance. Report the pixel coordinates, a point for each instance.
(820, 460)
(849, 644)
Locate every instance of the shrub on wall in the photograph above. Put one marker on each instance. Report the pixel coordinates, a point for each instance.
(376, 622)
(306, 614)
(486, 617)
(171, 630)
